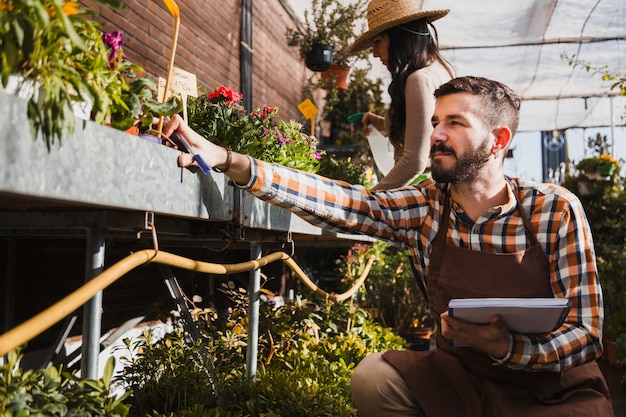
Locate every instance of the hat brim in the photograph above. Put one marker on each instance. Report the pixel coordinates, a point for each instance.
(364, 41)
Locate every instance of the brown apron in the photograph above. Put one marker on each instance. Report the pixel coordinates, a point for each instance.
(449, 382)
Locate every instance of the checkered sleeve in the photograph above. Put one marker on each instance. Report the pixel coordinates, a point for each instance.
(573, 275)
(334, 205)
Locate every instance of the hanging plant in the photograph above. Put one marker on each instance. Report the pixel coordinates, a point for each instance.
(332, 24)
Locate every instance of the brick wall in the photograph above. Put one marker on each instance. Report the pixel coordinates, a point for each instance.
(46, 270)
(208, 46)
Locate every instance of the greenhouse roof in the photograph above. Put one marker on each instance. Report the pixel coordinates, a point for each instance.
(528, 45)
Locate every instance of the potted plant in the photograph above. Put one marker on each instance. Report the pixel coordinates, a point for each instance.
(326, 33)
(362, 94)
(221, 117)
(601, 166)
(61, 60)
(133, 101)
(50, 44)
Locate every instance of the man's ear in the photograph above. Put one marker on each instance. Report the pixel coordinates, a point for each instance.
(503, 139)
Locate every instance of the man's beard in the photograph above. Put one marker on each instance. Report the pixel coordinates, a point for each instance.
(466, 167)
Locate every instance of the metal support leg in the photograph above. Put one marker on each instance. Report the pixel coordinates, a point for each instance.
(92, 325)
(9, 294)
(252, 352)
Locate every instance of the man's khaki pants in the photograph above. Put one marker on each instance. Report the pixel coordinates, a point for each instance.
(378, 390)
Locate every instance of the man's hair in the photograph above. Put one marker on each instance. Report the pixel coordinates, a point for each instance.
(500, 104)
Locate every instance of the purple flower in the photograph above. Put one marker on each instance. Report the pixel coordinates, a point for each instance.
(114, 41)
(281, 138)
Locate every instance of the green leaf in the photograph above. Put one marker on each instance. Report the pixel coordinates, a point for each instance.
(67, 25)
(108, 372)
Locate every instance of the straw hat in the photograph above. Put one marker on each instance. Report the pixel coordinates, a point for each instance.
(385, 14)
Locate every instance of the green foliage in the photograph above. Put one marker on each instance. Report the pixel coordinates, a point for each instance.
(363, 94)
(391, 289)
(61, 56)
(51, 392)
(221, 117)
(47, 44)
(168, 375)
(306, 353)
(344, 170)
(618, 80)
(604, 201)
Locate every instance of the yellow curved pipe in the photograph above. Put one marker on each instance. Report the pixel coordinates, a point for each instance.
(61, 309)
(317, 290)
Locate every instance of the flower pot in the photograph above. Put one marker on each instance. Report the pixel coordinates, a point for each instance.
(133, 130)
(419, 338)
(27, 89)
(606, 170)
(337, 74)
(22, 88)
(609, 354)
(319, 58)
(584, 189)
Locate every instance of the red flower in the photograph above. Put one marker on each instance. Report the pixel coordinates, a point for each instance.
(225, 94)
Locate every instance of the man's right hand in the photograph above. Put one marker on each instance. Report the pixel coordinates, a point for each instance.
(214, 155)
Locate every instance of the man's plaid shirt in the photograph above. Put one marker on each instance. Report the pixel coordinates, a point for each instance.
(409, 218)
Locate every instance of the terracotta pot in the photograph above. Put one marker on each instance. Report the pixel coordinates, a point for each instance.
(133, 130)
(337, 74)
(419, 338)
(609, 354)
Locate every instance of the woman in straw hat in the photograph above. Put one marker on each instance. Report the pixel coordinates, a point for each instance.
(402, 36)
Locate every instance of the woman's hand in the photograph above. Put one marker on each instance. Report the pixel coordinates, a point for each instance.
(375, 120)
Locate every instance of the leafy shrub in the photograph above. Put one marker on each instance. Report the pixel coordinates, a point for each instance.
(51, 392)
(391, 289)
(343, 170)
(306, 353)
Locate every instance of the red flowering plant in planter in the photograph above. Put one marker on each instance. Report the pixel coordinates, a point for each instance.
(221, 117)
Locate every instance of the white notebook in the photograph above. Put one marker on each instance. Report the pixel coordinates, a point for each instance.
(520, 315)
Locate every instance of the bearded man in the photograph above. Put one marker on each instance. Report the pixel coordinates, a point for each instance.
(473, 232)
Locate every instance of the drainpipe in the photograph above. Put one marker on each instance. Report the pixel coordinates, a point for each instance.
(246, 52)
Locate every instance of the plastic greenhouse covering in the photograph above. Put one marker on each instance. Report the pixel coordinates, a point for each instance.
(528, 45)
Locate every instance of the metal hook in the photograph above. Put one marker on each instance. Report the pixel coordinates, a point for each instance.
(292, 247)
(155, 241)
(149, 224)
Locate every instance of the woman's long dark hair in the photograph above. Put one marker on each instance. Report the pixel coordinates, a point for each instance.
(408, 52)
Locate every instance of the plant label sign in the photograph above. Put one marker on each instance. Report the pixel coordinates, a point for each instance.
(308, 110)
(183, 84)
